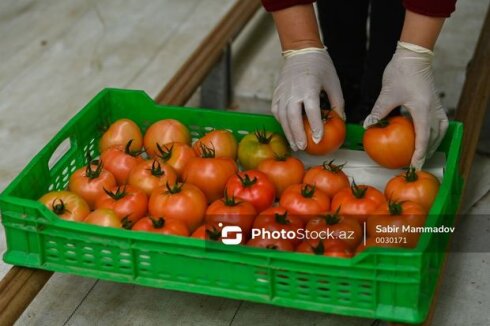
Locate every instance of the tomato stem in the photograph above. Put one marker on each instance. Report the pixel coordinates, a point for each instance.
(329, 166)
(282, 218)
(411, 174)
(246, 181)
(128, 150)
(60, 208)
(93, 174)
(358, 191)
(279, 157)
(229, 201)
(126, 223)
(174, 189)
(308, 190)
(319, 249)
(157, 223)
(332, 219)
(262, 136)
(118, 194)
(213, 234)
(165, 152)
(156, 169)
(395, 208)
(207, 151)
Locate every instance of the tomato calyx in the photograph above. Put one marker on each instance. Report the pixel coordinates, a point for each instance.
(230, 201)
(307, 191)
(127, 149)
(93, 174)
(126, 223)
(59, 208)
(318, 249)
(358, 191)
(213, 234)
(282, 218)
(332, 219)
(207, 151)
(165, 152)
(175, 188)
(262, 136)
(246, 181)
(272, 246)
(156, 169)
(281, 158)
(157, 223)
(411, 175)
(118, 194)
(395, 208)
(334, 168)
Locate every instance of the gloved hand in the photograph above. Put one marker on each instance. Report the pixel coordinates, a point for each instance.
(408, 81)
(304, 74)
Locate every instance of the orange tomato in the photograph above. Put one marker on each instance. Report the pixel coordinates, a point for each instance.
(221, 141)
(164, 132)
(66, 205)
(283, 171)
(177, 155)
(390, 142)
(150, 174)
(305, 200)
(120, 133)
(328, 177)
(161, 225)
(103, 217)
(120, 161)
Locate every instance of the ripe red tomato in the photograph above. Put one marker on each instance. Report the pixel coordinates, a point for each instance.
(182, 201)
(358, 201)
(221, 141)
(150, 174)
(89, 182)
(333, 134)
(207, 232)
(390, 142)
(209, 173)
(331, 248)
(417, 186)
(229, 211)
(103, 217)
(340, 227)
(252, 186)
(177, 155)
(128, 202)
(305, 201)
(66, 205)
(277, 219)
(328, 177)
(161, 225)
(164, 132)
(120, 161)
(282, 171)
(388, 220)
(120, 133)
(258, 146)
(269, 243)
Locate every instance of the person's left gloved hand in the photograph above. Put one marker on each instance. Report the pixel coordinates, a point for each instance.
(408, 82)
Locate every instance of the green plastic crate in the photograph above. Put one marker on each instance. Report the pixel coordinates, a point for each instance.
(389, 284)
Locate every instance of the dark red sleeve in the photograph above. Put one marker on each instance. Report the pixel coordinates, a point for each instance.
(273, 5)
(433, 8)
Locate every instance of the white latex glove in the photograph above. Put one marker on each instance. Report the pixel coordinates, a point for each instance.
(304, 74)
(408, 81)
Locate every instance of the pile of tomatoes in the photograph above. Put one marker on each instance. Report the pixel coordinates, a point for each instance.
(161, 182)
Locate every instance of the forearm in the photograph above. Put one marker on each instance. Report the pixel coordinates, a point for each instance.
(297, 27)
(421, 30)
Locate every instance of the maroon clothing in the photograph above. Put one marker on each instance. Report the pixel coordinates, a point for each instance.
(434, 8)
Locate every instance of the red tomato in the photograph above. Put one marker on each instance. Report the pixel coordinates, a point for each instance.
(180, 201)
(229, 211)
(283, 171)
(332, 248)
(89, 182)
(390, 142)
(276, 219)
(120, 133)
(358, 201)
(177, 155)
(333, 134)
(388, 220)
(161, 225)
(258, 146)
(221, 141)
(128, 202)
(207, 232)
(103, 217)
(417, 186)
(209, 173)
(328, 177)
(120, 161)
(336, 226)
(252, 186)
(305, 201)
(164, 132)
(274, 244)
(66, 205)
(148, 175)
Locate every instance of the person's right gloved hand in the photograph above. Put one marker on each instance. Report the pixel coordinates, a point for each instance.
(304, 74)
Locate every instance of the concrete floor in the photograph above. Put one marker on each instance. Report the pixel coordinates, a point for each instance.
(57, 54)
